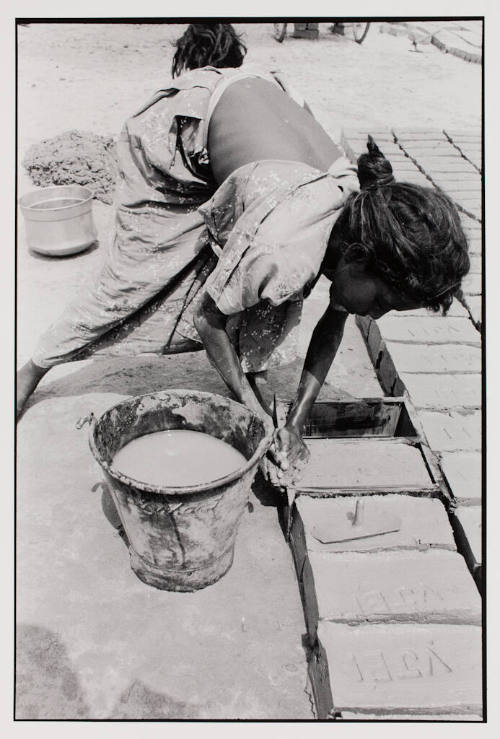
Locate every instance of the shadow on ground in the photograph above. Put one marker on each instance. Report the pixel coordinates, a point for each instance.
(48, 686)
(145, 374)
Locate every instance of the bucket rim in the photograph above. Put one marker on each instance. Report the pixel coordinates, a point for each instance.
(180, 490)
(86, 197)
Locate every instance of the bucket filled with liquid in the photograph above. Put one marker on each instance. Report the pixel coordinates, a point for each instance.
(179, 465)
(59, 219)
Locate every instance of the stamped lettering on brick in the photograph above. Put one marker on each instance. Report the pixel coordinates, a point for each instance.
(405, 664)
(410, 663)
(437, 663)
(419, 598)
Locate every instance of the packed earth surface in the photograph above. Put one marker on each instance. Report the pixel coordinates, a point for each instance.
(86, 79)
(89, 643)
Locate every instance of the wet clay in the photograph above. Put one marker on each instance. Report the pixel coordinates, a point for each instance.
(75, 158)
(177, 458)
(364, 463)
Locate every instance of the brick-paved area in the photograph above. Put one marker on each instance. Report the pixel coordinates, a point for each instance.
(460, 38)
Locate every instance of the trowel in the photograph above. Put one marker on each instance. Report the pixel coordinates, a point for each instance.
(288, 486)
(356, 525)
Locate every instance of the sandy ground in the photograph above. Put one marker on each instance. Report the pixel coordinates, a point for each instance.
(90, 77)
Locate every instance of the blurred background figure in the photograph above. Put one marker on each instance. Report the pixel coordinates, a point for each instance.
(208, 44)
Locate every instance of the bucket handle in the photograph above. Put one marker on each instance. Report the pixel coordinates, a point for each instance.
(89, 418)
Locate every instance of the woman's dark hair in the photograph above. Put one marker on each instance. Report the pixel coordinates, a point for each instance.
(208, 44)
(409, 236)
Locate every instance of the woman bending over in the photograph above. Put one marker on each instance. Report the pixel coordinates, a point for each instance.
(232, 202)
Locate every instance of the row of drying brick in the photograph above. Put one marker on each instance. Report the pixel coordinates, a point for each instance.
(437, 361)
(390, 638)
(450, 161)
(447, 41)
(393, 619)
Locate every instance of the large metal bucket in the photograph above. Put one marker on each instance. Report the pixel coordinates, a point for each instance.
(59, 219)
(180, 538)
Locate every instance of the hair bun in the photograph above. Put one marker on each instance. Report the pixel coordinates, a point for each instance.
(374, 170)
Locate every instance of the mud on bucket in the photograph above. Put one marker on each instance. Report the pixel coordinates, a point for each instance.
(180, 538)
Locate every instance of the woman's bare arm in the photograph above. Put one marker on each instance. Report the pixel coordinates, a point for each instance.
(323, 347)
(210, 323)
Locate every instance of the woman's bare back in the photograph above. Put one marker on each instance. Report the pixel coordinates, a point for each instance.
(255, 120)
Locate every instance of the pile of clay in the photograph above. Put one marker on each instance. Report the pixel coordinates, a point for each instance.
(75, 158)
(177, 458)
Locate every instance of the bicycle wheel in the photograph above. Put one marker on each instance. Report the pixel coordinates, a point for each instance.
(279, 31)
(359, 31)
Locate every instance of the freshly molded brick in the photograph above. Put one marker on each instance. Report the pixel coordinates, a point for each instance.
(434, 358)
(437, 149)
(428, 330)
(467, 185)
(452, 431)
(473, 203)
(360, 463)
(416, 178)
(433, 668)
(469, 222)
(462, 471)
(472, 284)
(423, 523)
(475, 246)
(418, 136)
(476, 266)
(418, 587)
(454, 164)
(443, 391)
(458, 135)
(443, 179)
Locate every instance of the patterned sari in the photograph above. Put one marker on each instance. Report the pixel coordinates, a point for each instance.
(255, 244)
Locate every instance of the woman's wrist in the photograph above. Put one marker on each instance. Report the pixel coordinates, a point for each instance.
(294, 425)
(301, 408)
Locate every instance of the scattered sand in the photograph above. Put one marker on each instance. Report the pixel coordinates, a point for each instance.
(92, 76)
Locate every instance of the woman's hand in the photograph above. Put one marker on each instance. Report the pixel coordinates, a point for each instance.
(287, 456)
(288, 450)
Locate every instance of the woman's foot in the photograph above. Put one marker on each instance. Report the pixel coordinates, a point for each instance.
(27, 379)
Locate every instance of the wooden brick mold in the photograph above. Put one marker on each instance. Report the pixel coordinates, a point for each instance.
(369, 446)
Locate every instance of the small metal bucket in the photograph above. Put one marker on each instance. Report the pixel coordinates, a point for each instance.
(59, 219)
(180, 538)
